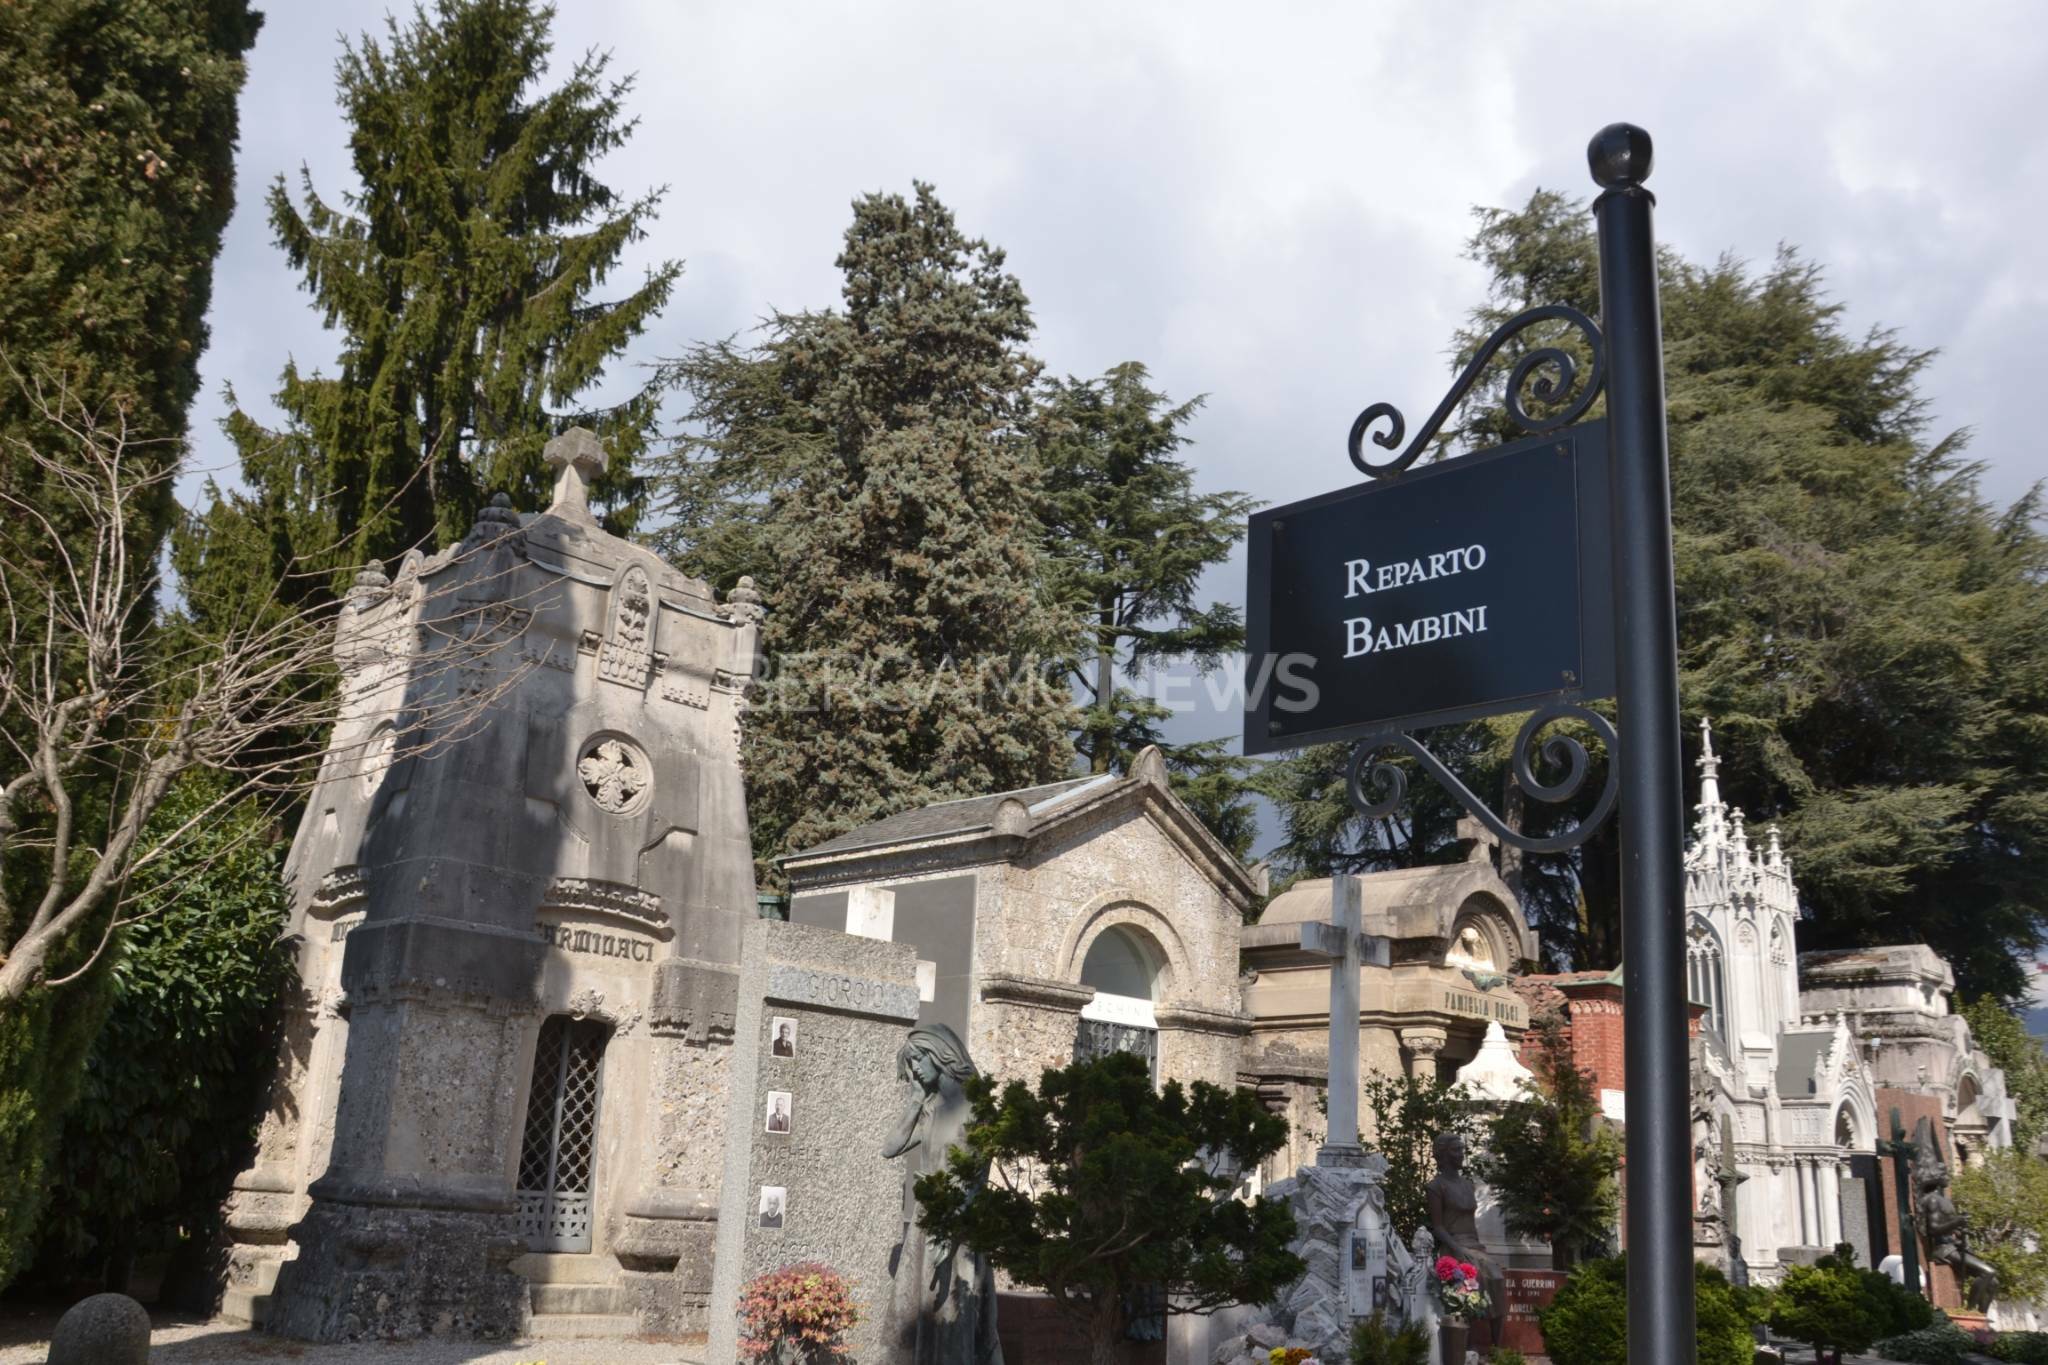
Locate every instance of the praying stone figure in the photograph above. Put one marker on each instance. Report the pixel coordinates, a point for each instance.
(1946, 1229)
(1454, 1222)
(956, 1305)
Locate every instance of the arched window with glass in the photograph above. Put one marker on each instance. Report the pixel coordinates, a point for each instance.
(1706, 975)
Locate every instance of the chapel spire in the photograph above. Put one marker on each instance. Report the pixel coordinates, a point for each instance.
(1710, 807)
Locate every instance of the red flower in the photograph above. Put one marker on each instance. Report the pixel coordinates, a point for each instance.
(1446, 1268)
(1470, 1272)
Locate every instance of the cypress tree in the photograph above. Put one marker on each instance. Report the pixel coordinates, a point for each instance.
(1127, 542)
(884, 450)
(1868, 632)
(116, 180)
(463, 277)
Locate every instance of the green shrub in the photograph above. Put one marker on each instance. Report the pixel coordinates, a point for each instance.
(1587, 1323)
(1374, 1343)
(44, 1039)
(1941, 1344)
(1506, 1355)
(174, 1087)
(1898, 1310)
(1828, 1308)
(2027, 1348)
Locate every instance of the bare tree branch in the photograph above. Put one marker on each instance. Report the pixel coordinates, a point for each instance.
(231, 687)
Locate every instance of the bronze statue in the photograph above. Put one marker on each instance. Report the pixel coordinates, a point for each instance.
(1945, 1229)
(1454, 1222)
(956, 1306)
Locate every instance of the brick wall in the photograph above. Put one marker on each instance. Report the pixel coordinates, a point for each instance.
(1912, 1108)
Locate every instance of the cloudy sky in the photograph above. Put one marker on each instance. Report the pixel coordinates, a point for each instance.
(1266, 203)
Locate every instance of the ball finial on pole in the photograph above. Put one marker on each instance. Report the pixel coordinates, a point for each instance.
(1619, 156)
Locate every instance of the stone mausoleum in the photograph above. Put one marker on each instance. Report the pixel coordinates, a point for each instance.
(501, 1089)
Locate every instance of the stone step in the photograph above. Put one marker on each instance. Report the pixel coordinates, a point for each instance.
(245, 1304)
(581, 1326)
(549, 1299)
(562, 1267)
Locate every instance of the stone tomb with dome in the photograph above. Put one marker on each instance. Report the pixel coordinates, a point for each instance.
(1455, 937)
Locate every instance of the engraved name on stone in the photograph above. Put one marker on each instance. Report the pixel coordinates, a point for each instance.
(596, 943)
(343, 925)
(1482, 1007)
(835, 991)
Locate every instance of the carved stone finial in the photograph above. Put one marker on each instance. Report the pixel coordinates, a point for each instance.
(1150, 766)
(371, 587)
(577, 458)
(744, 603)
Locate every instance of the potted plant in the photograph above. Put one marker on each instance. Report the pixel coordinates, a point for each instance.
(1461, 1298)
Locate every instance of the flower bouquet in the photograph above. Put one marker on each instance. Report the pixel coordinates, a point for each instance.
(1292, 1355)
(1457, 1289)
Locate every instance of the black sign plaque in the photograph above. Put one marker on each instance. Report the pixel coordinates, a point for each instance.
(1462, 589)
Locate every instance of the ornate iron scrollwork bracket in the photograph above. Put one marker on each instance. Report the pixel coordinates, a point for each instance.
(1558, 749)
(1547, 388)
(1548, 374)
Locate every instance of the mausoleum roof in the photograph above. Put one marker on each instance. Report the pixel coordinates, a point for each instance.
(968, 815)
(1000, 825)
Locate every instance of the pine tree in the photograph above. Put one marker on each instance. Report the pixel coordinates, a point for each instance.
(1552, 1158)
(463, 278)
(1127, 541)
(916, 656)
(1868, 631)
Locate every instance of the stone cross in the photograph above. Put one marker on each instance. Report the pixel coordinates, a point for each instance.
(1730, 1178)
(1348, 949)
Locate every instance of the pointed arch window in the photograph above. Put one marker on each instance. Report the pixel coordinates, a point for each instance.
(1706, 975)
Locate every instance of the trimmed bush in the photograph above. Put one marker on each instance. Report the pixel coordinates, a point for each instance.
(2027, 1348)
(1941, 1344)
(1828, 1308)
(1587, 1323)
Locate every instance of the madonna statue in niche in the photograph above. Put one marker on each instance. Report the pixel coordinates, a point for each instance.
(956, 1317)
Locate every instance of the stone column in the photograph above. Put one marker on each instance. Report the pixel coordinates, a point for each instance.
(1424, 1044)
(1829, 1174)
(1809, 1215)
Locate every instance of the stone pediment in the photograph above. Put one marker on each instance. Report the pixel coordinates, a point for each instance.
(1009, 826)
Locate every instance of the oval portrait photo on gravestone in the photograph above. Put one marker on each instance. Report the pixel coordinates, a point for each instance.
(781, 1037)
(778, 1113)
(774, 1199)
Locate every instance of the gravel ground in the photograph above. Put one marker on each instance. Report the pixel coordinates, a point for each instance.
(25, 1340)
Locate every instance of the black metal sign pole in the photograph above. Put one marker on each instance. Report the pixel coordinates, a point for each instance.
(1660, 1257)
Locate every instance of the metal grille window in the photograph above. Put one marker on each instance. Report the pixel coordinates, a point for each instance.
(559, 1153)
(1100, 1037)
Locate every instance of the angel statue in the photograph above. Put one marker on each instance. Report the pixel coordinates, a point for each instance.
(957, 1303)
(1944, 1227)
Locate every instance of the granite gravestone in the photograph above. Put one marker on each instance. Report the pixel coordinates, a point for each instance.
(804, 1175)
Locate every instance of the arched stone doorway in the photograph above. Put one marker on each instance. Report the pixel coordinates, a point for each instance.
(1123, 966)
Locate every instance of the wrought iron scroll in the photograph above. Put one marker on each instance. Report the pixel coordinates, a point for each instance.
(1561, 372)
(1559, 749)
